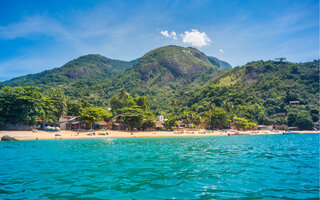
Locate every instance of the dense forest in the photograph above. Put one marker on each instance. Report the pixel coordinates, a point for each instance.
(183, 83)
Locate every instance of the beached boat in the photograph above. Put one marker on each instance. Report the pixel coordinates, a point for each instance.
(290, 132)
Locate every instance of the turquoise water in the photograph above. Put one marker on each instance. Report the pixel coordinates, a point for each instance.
(238, 167)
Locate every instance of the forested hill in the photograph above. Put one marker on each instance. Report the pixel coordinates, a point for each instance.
(161, 74)
(260, 90)
(89, 67)
(185, 82)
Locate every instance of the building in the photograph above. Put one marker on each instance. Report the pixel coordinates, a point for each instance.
(264, 127)
(159, 125)
(160, 118)
(119, 124)
(280, 127)
(102, 125)
(72, 123)
(294, 102)
(280, 114)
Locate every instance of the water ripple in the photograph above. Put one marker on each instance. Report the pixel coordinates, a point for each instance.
(243, 167)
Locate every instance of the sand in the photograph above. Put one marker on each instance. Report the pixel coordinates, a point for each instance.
(43, 135)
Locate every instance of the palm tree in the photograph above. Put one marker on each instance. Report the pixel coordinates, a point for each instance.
(228, 106)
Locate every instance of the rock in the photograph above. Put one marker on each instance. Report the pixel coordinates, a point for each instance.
(7, 138)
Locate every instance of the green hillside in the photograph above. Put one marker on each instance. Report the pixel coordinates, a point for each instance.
(84, 68)
(161, 75)
(188, 84)
(259, 90)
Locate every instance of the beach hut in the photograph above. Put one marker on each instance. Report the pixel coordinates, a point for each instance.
(100, 125)
(262, 127)
(72, 123)
(65, 122)
(280, 127)
(159, 125)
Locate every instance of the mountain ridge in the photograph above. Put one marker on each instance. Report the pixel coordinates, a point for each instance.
(80, 73)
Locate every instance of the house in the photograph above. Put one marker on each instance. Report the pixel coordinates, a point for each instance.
(184, 125)
(262, 127)
(119, 124)
(159, 125)
(160, 118)
(280, 127)
(181, 124)
(294, 102)
(280, 114)
(102, 125)
(72, 123)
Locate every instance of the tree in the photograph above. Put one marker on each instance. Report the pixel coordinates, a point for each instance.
(218, 118)
(59, 100)
(136, 117)
(143, 102)
(120, 101)
(92, 114)
(304, 120)
(229, 108)
(171, 122)
(190, 117)
(300, 118)
(21, 104)
(173, 104)
(244, 124)
(74, 107)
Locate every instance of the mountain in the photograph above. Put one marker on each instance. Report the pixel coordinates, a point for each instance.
(163, 74)
(87, 67)
(215, 61)
(261, 90)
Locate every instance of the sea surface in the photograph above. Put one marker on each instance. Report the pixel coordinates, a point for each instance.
(236, 167)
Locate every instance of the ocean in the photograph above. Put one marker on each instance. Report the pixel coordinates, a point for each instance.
(236, 167)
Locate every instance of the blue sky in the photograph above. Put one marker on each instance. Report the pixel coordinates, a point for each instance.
(40, 35)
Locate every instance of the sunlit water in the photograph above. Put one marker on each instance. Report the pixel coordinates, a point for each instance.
(239, 167)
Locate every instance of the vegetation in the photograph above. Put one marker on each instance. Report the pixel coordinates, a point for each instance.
(260, 90)
(182, 82)
(134, 111)
(92, 114)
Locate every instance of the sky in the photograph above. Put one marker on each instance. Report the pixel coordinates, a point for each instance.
(39, 35)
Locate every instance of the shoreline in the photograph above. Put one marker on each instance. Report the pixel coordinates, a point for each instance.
(43, 135)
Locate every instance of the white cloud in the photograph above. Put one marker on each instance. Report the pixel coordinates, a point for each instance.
(195, 38)
(221, 50)
(165, 33)
(172, 35)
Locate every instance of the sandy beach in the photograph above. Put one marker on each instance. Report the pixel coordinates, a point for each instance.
(43, 135)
